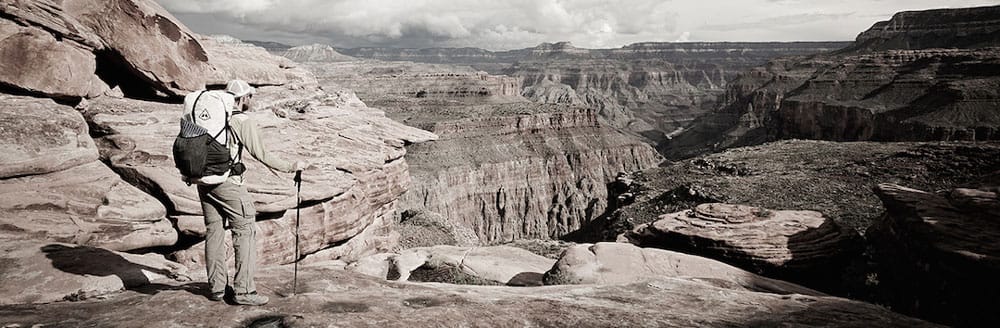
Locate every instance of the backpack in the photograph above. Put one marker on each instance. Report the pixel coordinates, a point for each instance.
(200, 151)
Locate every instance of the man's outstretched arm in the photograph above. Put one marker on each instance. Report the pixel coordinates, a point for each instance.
(253, 143)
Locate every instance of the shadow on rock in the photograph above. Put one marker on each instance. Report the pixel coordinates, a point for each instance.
(85, 260)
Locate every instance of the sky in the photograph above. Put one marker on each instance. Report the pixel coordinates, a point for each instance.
(515, 24)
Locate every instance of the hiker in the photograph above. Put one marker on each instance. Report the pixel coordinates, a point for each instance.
(217, 169)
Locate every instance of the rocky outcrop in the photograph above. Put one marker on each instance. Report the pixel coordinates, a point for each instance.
(357, 169)
(887, 87)
(44, 272)
(146, 48)
(942, 28)
(332, 295)
(791, 244)
(939, 253)
(53, 187)
(315, 53)
(503, 167)
(621, 263)
(232, 59)
(36, 62)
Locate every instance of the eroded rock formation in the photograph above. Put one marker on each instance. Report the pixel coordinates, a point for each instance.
(895, 83)
(788, 244)
(652, 90)
(146, 48)
(502, 166)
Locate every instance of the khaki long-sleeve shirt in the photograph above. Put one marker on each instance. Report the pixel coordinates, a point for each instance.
(249, 134)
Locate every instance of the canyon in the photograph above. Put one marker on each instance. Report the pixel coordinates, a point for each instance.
(514, 188)
(504, 167)
(894, 83)
(650, 90)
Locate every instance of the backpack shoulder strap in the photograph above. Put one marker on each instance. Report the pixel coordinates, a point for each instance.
(195, 105)
(239, 142)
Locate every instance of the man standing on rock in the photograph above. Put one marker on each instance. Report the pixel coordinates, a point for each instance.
(230, 200)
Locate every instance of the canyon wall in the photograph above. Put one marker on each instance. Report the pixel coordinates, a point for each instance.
(886, 87)
(505, 167)
(652, 90)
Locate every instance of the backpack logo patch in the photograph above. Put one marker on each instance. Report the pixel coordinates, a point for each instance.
(204, 116)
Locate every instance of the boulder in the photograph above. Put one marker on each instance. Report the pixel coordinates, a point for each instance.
(85, 205)
(35, 61)
(330, 295)
(138, 43)
(622, 263)
(496, 264)
(233, 59)
(786, 243)
(38, 136)
(938, 254)
(43, 272)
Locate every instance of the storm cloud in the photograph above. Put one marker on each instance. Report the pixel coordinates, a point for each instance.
(508, 24)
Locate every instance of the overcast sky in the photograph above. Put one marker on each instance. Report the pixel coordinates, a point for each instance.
(510, 24)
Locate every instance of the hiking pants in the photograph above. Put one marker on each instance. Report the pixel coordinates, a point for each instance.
(232, 202)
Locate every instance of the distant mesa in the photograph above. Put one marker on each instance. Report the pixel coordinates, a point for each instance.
(315, 53)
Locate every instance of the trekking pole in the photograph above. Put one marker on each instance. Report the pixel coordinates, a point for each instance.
(298, 204)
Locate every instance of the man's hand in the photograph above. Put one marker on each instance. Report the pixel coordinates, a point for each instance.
(299, 166)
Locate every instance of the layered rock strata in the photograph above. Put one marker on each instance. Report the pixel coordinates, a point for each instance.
(781, 243)
(922, 76)
(505, 168)
(939, 253)
(652, 90)
(942, 28)
(53, 187)
(356, 172)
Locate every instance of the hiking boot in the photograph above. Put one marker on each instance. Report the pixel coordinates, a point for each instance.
(217, 296)
(250, 299)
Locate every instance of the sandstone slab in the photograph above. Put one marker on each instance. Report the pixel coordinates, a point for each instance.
(622, 263)
(757, 239)
(39, 136)
(85, 205)
(41, 272)
(330, 295)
